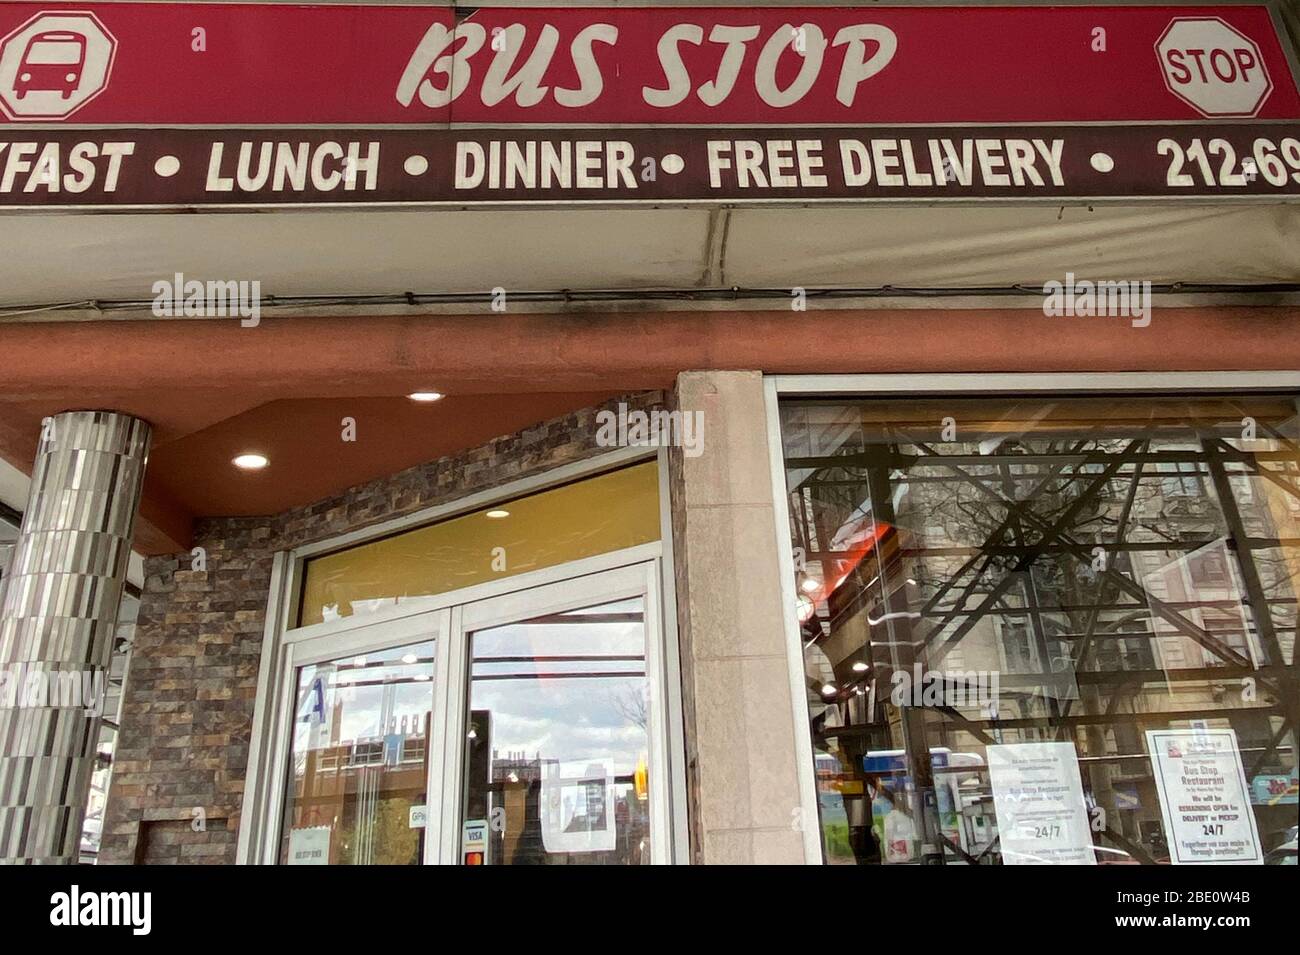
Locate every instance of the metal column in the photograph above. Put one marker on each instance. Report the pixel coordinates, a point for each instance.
(58, 611)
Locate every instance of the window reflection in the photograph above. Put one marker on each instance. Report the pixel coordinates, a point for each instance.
(995, 595)
(359, 763)
(557, 741)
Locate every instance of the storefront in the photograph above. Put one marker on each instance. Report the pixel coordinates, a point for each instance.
(652, 435)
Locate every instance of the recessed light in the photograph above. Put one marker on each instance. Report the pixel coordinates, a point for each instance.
(860, 667)
(497, 514)
(425, 396)
(828, 689)
(250, 461)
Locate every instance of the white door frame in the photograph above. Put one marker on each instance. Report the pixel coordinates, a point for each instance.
(447, 620)
(634, 580)
(367, 638)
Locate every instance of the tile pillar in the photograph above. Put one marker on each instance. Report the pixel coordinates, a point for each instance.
(58, 614)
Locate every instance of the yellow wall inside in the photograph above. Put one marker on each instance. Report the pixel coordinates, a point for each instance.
(601, 514)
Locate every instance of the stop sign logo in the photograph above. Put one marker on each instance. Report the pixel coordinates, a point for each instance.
(1213, 67)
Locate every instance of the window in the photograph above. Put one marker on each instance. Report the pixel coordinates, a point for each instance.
(350, 792)
(1017, 637)
(1188, 484)
(608, 512)
(558, 740)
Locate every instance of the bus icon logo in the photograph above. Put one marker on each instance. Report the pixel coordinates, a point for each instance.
(52, 61)
(54, 64)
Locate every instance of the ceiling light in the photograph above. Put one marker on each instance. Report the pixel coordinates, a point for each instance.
(250, 461)
(425, 396)
(497, 514)
(860, 667)
(809, 585)
(409, 658)
(828, 689)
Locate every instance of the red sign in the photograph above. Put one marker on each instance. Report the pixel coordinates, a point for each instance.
(231, 64)
(162, 105)
(1213, 66)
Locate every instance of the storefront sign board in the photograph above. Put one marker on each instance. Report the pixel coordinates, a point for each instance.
(202, 105)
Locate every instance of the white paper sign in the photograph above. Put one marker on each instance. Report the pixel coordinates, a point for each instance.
(1038, 798)
(1204, 797)
(309, 846)
(577, 806)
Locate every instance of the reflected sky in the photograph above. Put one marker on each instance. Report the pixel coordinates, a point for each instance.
(541, 709)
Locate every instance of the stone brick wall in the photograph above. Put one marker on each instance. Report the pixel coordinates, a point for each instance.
(189, 695)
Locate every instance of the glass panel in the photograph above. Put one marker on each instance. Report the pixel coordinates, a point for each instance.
(557, 740)
(596, 516)
(92, 826)
(1049, 630)
(359, 763)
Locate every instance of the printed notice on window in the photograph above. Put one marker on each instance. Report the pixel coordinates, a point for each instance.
(1038, 797)
(1204, 797)
(309, 846)
(577, 806)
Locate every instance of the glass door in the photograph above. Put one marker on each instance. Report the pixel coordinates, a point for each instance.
(556, 749)
(363, 743)
(528, 726)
